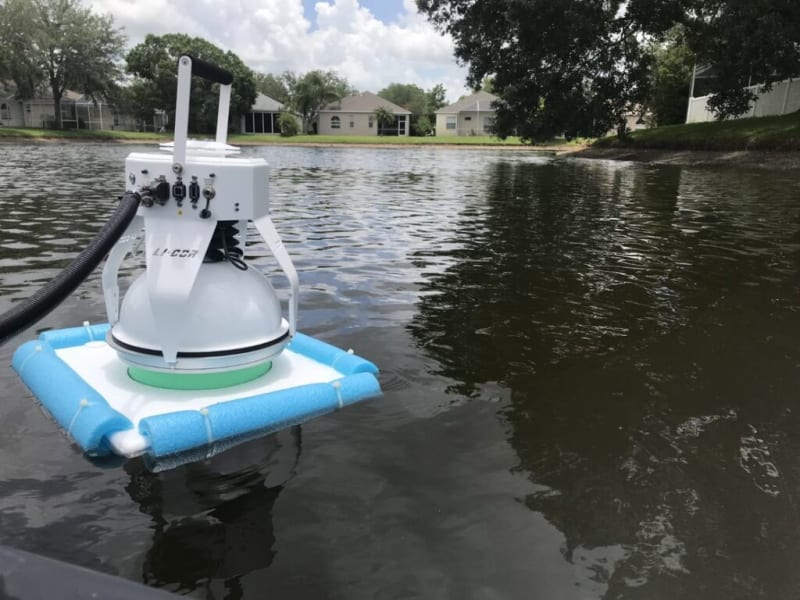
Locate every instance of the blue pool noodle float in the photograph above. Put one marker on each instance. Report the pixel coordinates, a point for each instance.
(89, 419)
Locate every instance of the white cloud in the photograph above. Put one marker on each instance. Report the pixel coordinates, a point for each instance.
(273, 35)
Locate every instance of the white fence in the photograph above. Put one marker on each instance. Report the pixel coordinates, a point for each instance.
(782, 99)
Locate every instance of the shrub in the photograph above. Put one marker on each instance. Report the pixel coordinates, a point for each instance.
(288, 124)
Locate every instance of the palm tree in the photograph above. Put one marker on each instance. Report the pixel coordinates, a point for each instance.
(384, 117)
(313, 91)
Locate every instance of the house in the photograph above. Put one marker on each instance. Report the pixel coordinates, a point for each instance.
(33, 112)
(636, 118)
(78, 111)
(263, 117)
(355, 115)
(472, 115)
(783, 98)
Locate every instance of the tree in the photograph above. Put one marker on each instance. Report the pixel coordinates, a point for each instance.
(563, 65)
(671, 77)
(313, 91)
(384, 117)
(60, 45)
(155, 63)
(422, 104)
(272, 86)
(424, 125)
(487, 85)
(746, 42)
(411, 97)
(437, 97)
(558, 65)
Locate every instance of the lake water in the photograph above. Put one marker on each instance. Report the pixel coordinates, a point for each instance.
(591, 374)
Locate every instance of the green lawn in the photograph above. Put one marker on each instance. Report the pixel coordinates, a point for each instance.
(12, 132)
(90, 134)
(765, 133)
(86, 134)
(370, 139)
(762, 133)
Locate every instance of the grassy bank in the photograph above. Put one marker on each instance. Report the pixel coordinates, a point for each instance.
(86, 134)
(763, 133)
(82, 134)
(310, 140)
(374, 140)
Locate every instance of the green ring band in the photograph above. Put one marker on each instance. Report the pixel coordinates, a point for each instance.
(198, 381)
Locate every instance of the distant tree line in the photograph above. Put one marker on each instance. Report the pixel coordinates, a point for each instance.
(59, 45)
(580, 66)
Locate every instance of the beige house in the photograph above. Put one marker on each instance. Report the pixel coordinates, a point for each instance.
(78, 111)
(355, 115)
(472, 115)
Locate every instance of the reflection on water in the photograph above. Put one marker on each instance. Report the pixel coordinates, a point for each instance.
(644, 321)
(211, 523)
(590, 372)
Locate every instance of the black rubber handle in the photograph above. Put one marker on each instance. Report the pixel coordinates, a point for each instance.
(206, 70)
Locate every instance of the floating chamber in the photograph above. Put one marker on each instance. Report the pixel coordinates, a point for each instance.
(199, 355)
(199, 318)
(233, 331)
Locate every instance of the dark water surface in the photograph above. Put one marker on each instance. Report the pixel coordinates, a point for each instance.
(591, 374)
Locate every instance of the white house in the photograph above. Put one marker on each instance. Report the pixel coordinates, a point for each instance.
(782, 99)
(472, 115)
(355, 115)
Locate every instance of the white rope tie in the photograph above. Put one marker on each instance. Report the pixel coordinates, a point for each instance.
(84, 403)
(209, 432)
(36, 351)
(342, 355)
(337, 385)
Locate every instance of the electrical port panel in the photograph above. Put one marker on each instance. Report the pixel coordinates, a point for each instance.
(215, 188)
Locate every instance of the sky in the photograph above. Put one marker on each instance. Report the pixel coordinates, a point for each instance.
(370, 42)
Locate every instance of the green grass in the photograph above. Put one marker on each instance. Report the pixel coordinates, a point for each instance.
(393, 140)
(86, 134)
(762, 133)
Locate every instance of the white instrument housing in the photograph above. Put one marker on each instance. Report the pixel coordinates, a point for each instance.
(186, 191)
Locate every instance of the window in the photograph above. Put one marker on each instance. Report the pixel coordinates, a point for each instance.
(488, 125)
(468, 118)
(5, 112)
(335, 123)
(369, 123)
(451, 122)
(68, 111)
(352, 124)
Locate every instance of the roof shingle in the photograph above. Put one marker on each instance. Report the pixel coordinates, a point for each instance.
(364, 102)
(477, 101)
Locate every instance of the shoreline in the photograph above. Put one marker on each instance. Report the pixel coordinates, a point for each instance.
(550, 149)
(756, 159)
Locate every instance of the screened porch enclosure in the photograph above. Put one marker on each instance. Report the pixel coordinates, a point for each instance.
(396, 128)
(261, 122)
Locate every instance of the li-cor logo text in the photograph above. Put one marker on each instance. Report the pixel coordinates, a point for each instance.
(176, 252)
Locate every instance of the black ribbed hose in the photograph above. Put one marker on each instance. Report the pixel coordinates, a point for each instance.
(29, 311)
